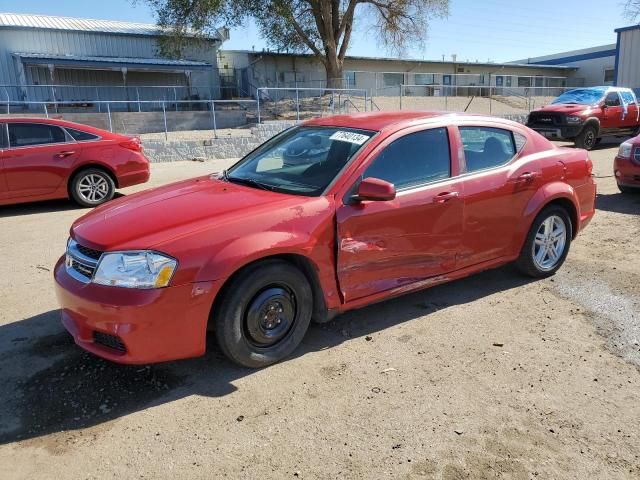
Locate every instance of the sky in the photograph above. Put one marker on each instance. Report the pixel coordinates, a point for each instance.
(482, 30)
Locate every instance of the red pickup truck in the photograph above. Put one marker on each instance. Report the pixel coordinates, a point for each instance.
(585, 115)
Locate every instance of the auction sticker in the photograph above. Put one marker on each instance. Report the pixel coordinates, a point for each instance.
(351, 137)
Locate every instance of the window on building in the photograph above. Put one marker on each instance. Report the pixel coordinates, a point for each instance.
(392, 79)
(486, 147)
(609, 75)
(423, 79)
(25, 134)
(349, 79)
(524, 81)
(415, 159)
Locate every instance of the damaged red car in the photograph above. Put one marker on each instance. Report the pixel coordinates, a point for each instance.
(328, 216)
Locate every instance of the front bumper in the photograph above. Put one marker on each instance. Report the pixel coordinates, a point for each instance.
(627, 173)
(557, 132)
(145, 326)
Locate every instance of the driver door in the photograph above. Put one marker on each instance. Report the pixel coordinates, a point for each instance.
(612, 112)
(386, 245)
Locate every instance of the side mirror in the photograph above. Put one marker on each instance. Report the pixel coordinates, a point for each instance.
(375, 189)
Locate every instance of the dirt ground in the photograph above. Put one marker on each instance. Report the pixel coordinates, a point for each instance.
(494, 376)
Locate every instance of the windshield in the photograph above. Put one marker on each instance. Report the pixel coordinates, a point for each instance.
(302, 160)
(581, 96)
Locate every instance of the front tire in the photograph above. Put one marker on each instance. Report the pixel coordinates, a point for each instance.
(547, 243)
(92, 187)
(587, 138)
(264, 313)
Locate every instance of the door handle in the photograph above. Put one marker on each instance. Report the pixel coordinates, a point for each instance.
(445, 197)
(64, 154)
(527, 177)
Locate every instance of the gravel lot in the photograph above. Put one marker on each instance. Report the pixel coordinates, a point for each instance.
(494, 376)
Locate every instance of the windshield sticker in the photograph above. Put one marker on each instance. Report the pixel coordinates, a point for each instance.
(351, 137)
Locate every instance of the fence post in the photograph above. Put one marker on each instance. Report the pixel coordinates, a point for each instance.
(258, 99)
(446, 99)
(98, 100)
(110, 121)
(175, 97)
(164, 116)
(138, 97)
(333, 102)
(46, 111)
(401, 96)
(297, 105)
(490, 98)
(6, 92)
(213, 112)
(365, 100)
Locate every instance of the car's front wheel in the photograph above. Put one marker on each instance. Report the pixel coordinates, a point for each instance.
(547, 243)
(263, 314)
(91, 187)
(587, 138)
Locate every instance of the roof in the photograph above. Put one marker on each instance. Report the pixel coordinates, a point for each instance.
(115, 62)
(410, 60)
(625, 29)
(562, 58)
(380, 120)
(47, 22)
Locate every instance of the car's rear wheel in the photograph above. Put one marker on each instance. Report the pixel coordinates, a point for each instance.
(263, 314)
(91, 187)
(587, 138)
(547, 243)
(625, 189)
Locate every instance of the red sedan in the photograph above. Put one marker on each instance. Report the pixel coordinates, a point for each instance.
(43, 159)
(374, 206)
(626, 166)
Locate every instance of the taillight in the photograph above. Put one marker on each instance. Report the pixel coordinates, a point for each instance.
(132, 144)
(589, 166)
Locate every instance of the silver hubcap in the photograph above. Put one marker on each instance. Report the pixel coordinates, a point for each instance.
(93, 188)
(550, 242)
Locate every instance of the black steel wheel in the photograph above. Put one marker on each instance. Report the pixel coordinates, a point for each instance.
(263, 314)
(587, 138)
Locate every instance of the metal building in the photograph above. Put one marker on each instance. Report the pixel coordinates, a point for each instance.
(53, 59)
(628, 57)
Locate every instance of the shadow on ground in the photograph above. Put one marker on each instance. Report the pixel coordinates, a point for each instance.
(47, 206)
(627, 203)
(50, 385)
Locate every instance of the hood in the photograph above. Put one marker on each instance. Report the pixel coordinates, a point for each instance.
(156, 216)
(567, 108)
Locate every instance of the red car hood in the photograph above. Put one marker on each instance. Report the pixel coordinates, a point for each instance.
(567, 108)
(159, 215)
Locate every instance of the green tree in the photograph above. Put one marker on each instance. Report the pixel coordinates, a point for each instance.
(323, 27)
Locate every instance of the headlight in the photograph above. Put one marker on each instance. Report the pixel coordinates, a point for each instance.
(573, 119)
(625, 150)
(135, 269)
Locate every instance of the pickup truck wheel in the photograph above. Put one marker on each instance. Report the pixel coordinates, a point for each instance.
(587, 138)
(547, 243)
(264, 313)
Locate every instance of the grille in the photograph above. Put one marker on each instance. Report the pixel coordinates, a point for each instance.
(89, 252)
(82, 269)
(542, 118)
(109, 341)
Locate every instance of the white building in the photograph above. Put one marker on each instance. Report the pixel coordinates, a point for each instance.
(595, 65)
(627, 67)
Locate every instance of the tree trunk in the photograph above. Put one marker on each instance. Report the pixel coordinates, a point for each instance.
(333, 68)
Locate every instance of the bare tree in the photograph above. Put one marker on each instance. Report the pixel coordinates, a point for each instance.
(323, 27)
(632, 9)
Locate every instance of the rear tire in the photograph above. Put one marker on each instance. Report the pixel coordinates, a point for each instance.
(587, 138)
(547, 244)
(629, 190)
(264, 314)
(91, 187)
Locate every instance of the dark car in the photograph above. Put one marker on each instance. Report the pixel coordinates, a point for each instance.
(585, 115)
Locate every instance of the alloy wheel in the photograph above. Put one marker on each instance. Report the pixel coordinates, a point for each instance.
(549, 243)
(93, 188)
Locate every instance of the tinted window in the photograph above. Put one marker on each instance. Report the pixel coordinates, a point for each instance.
(486, 147)
(612, 99)
(3, 135)
(414, 159)
(25, 134)
(81, 136)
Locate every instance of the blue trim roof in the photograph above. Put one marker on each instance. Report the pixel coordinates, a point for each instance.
(577, 58)
(624, 29)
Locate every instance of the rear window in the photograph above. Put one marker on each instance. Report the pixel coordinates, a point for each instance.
(27, 134)
(80, 136)
(627, 97)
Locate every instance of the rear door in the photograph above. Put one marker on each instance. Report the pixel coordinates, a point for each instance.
(385, 245)
(39, 158)
(613, 113)
(497, 188)
(3, 150)
(631, 115)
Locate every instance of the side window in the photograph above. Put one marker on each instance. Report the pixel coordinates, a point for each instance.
(520, 141)
(628, 98)
(80, 136)
(414, 159)
(26, 134)
(612, 99)
(4, 143)
(486, 147)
